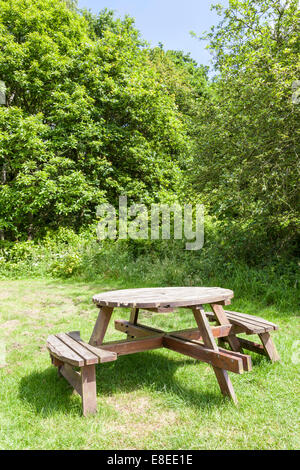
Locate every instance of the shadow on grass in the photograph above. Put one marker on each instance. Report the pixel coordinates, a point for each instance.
(49, 394)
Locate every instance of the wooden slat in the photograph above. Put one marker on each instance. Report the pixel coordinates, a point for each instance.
(204, 328)
(197, 351)
(252, 346)
(102, 354)
(72, 377)
(134, 315)
(87, 356)
(209, 342)
(101, 326)
(225, 383)
(133, 319)
(224, 302)
(223, 320)
(245, 326)
(193, 334)
(161, 309)
(166, 297)
(263, 326)
(140, 330)
(89, 394)
(56, 362)
(62, 352)
(134, 346)
(269, 347)
(247, 361)
(254, 317)
(219, 313)
(134, 330)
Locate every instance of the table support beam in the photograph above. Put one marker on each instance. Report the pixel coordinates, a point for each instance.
(140, 330)
(101, 326)
(218, 359)
(134, 345)
(84, 384)
(269, 347)
(221, 316)
(133, 319)
(209, 341)
(235, 362)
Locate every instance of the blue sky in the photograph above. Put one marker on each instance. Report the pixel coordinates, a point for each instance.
(166, 21)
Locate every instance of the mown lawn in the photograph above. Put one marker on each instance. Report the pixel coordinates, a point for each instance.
(151, 400)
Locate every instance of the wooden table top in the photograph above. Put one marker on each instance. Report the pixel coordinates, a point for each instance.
(162, 297)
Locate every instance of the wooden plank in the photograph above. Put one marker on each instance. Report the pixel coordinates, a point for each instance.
(224, 302)
(133, 319)
(78, 348)
(252, 346)
(89, 394)
(161, 309)
(201, 353)
(209, 342)
(219, 314)
(101, 326)
(225, 383)
(258, 319)
(134, 315)
(244, 326)
(223, 320)
(269, 347)
(193, 333)
(134, 330)
(166, 297)
(62, 352)
(204, 328)
(56, 362)
(247, 361)
(257, 324)
(140, 330)
(102, 354)
(134, 346)
(72, 377)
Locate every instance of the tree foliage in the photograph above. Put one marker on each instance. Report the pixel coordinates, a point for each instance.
(92, 112)
(246, 166)
(87, 117)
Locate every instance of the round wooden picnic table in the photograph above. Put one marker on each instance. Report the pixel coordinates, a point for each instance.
(68, 349)
(162, 297)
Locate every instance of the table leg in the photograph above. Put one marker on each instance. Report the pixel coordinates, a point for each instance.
(101, 326)
(269, 347)
(84, 383)
(221, 316)
(89, 394)
(209, 341)
(133, 319)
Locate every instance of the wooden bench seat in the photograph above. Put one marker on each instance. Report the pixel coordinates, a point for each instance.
(67, 351)
(251, 325)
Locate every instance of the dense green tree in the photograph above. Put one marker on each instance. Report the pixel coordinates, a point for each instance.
(86, 117)
(246, 167)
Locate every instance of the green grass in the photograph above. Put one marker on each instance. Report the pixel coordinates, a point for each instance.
(151, 400)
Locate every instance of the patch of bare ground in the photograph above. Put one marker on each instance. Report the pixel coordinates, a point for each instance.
(138, 416)
(9, 326)
(47, 306)
(4, 295)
